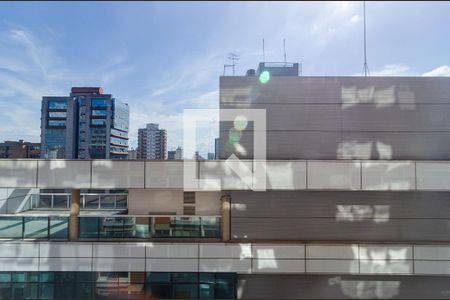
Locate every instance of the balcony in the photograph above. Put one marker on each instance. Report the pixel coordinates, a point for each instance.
(121, 227)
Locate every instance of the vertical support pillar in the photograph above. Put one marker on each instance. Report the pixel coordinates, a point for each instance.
(74, 213)
(226, 217)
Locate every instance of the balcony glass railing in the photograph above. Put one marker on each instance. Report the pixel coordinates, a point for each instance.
(87, 201)
(111, 227)
(34, 227)
(145, 227)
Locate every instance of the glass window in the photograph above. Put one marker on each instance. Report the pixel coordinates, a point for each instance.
(64, 277)
(159, 290)
(98, 122)
(64, 291)
(59, 227)
(57, 105)
(91, 201)
(158, 277)
(57, 123)
(84, 291)
(89, 227)
(46, 291)
(121, 201)
(99, 103)
(45, 201)
(5, 276)
(207, 278)
(107, 201)
(57, 114)
(184, 277)
(99, 112)
(60, 201)
(35, 227)
(185, 291)
(5, 291)
(206, 291)
(46, 277)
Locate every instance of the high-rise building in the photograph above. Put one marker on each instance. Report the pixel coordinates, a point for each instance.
(20, 149)
(211, 156)
(152, 142)
(132, 154)
(85, 125)
(216, 148)
(171, 155)
(179, 153)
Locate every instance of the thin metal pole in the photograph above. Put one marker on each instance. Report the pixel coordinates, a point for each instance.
(366, 67)
(264, 52)
(284, 46)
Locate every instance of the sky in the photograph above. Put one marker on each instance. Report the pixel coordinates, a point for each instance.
(164, 57)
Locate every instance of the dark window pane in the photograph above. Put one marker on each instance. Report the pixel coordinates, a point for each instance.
(60, 201)
(121, 201)
(45, 201)
(25, 291)
(91, 201)
(84, 290)
(5, 291)
(206, 291)
(64, 291)
(224, 291)
(158, 277)
(185, 291)
(207, 278)
(5, 276)
(89, 227)
(46, 277)
(107, 201)
(46, 291)
(162, 291)
(85, 277)
(59, 227)
(68, 277)
(185, 277)
(25, 276)
(108, 277)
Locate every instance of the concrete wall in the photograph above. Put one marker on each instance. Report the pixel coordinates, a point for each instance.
(355, 216)
(344, 117)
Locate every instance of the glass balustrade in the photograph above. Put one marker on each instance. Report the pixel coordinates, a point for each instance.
(144, 227)
(111, 227)
(87, 201)
(34, 227)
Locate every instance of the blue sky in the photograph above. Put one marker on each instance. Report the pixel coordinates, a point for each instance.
(163, 57)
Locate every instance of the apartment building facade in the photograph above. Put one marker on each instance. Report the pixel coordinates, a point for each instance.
(357, 176)
(87, 124)
(152, 142)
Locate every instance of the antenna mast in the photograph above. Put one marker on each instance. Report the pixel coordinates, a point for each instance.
(366, 67)
(284, 46)
(264, 52)
(234, 58)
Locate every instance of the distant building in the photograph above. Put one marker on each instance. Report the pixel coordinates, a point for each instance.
(197, 156)
(179, 153)
(20, 149)
(171, 155)
(85, 125)
(152, 142)
(211, 156)
(216, 148)
(132, 154)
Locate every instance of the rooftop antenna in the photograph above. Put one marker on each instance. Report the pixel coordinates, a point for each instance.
(284, 46)
(264, 53)
(366, 67)
(234, 58)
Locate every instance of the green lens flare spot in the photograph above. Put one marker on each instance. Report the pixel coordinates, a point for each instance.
(264, 77)
(234, 136)
(240, 122)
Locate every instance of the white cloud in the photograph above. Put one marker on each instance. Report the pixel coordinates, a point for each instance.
(391, 70)
(439, 71)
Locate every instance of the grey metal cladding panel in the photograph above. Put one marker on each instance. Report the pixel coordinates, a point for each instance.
(320, 229)
(280, 89)
(288, 145)
(342, 287)
(285, 204)
(346, 145)
(407, 89)
(396, 145)
(395, 118)
(298, 116)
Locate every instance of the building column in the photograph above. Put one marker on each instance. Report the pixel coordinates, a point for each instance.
(74, 213)
(226, 217)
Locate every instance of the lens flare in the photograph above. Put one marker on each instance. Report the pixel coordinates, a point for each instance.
(240, 122)
(264, 77)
